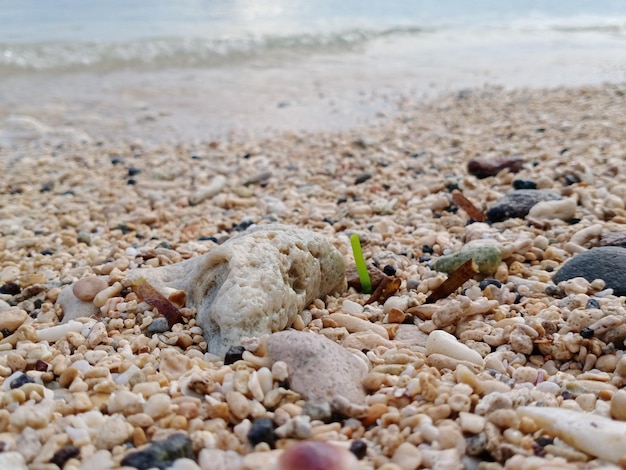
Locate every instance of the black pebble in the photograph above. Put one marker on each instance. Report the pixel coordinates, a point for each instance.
(389, 270)
(64, 454)
(241, 226)
(452, 186)
(342, 200)
(131, 181)
(262, 430)
(362, 178)
(587, 333)
(132, 171)
(47, 252)
(117, 161)
(208, 239)
(571, 178)
(489, 282)
(358, 448)
(161, 454)
(592, 303)
(20, 380)
(524, 184)
(46, 187)
(234, 354)
(10, 288)
(427, 250)
(544, 441)
(555, 291)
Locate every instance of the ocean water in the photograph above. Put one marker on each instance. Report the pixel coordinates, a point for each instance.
(171, 71)
(98, 35)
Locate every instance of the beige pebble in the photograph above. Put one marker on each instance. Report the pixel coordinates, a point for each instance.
(618, 405)
(97, 335)
(471, 423)
(28, 280)
(525, 374)
(88, 287)
(141, 420)
(407, 456)
(238, 404)
(354, 324)
(504, 418)
(607, 363)
(174, 364)
(125, 402)
(100, 299)
(158, 405)
(12, 319)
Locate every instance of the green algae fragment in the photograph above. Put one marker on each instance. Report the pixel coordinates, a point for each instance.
(486, 257)
(361, 266)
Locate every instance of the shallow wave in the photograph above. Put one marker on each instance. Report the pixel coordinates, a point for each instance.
(175, 52)
(160, 53)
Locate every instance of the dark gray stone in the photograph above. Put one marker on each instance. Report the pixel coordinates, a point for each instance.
(606, 262)
(518, 203)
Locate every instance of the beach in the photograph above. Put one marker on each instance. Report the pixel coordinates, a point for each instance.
(501, 145)
(76, 209)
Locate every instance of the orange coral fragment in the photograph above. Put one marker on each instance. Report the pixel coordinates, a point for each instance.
(467, 205)
(459, 277)
(146, 292)
(387, 287)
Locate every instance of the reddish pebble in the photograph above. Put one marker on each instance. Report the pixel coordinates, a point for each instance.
(485, 167)
(316, 455)
(88, 287)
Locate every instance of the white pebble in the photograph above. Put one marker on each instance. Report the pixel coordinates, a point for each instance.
(56, 333)
(548, 387)
(563, 209)
(440, 342)
(184, 464)
(352, 307)
(157, 405)
(12, 461)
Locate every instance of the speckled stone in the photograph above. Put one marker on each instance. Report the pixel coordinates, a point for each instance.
(607, 263)
(161, 454)
(319, 369)
(518, 203)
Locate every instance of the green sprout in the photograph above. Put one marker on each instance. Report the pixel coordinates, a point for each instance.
(361, 267)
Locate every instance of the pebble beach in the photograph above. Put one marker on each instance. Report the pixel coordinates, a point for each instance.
(508, 370)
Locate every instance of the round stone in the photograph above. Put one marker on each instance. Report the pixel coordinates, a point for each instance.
(88, 287)
(607, 263)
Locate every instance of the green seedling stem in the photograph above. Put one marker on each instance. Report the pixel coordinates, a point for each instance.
(361, 267)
